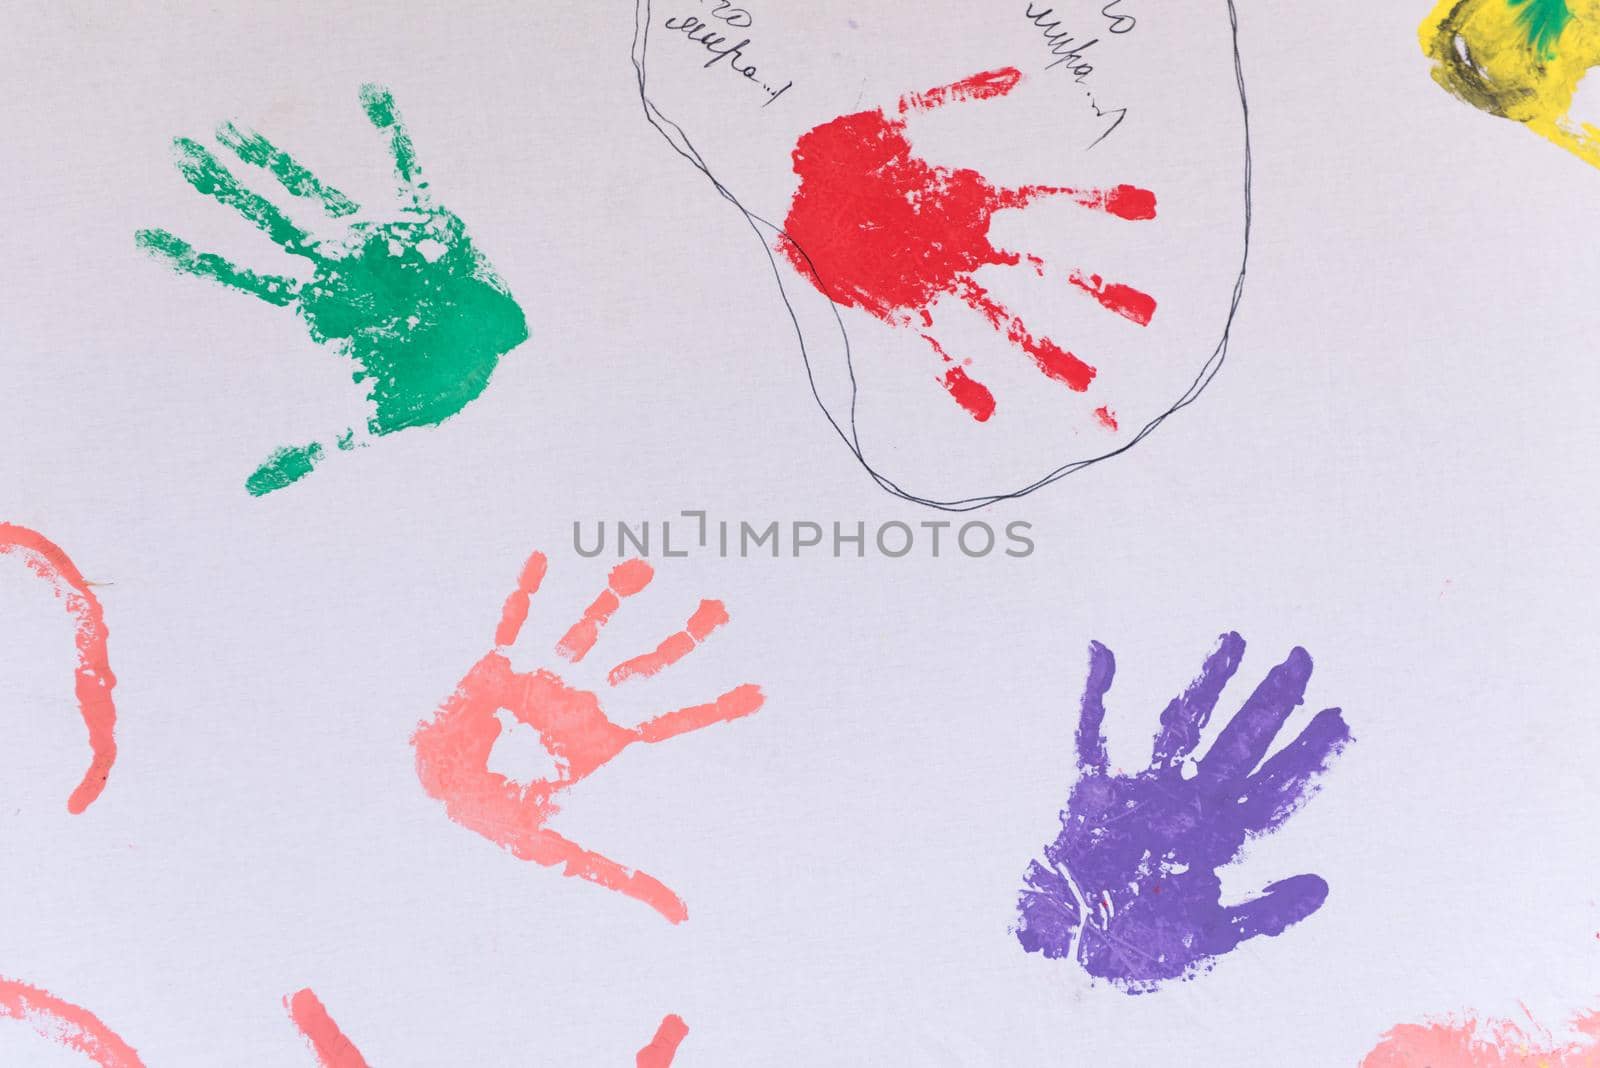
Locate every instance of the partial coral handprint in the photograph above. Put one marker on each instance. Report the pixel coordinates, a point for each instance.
(334, 1049)
(875, 226)
(67, 1025)
(1129, 888)
(409, 300)
(93, 679)
(1468, 1041)
(453, 750)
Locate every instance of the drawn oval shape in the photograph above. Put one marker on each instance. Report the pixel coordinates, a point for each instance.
(1009, 246)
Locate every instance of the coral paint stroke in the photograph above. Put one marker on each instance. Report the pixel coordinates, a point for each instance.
(874, 226)
(664, 1046)
(412, 303)
(66, 1024)
(706, 619)
(332, 1048)
(626, 579)
(841, 390)
(453, 749)
(335, 1050)
(93, 680)
(1472, 1043)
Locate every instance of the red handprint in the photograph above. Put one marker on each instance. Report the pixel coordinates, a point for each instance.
(94, 678)
(875, 227)
(453, 750)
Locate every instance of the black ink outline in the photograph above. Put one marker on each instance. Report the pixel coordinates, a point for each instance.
(685, 148)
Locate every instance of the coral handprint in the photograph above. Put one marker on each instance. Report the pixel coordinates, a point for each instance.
(876, 227)
(453, 750)
(1129, 888)
(410, 301)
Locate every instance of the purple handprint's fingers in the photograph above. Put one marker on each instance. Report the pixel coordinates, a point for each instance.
(1048, 913)
(1091, 742)
(1246, 738)
(1281, 905)
(1286, 781)
(1184, 719)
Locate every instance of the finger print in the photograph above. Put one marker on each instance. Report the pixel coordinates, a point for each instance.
(411, 303)
(1129, 888)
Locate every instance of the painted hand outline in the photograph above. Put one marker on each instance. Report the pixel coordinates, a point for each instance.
(874, 226)
(452, 751)
(1130, 886)
(410, 301)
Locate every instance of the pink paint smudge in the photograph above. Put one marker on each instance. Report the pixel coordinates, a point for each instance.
(66, 1025)
(94, 679)
(1468, 1042)
(874, 226)
(332, 1048)
(664, 1046)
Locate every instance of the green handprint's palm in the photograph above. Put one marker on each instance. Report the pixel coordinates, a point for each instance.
(411, 302)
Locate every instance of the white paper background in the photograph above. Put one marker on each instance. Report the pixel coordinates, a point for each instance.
(1395, 469)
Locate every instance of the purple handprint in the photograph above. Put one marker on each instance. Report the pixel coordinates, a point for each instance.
(1132, 874)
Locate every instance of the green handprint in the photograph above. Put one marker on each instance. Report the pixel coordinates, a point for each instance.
(411, 302)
